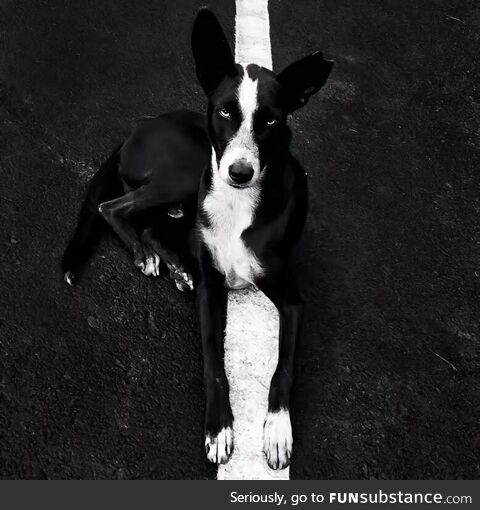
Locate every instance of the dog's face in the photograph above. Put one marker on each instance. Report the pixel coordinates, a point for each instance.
(247, 104)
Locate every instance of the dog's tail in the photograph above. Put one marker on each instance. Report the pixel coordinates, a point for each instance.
(105, 185)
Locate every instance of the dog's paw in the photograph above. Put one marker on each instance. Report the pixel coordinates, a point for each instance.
(277, 439)
(151, 265)
(219, 447)
(147, 261)
(182, 279)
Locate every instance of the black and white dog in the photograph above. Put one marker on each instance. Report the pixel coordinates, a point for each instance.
(241, 200)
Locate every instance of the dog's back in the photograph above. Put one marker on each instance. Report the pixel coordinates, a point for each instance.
(167, 154)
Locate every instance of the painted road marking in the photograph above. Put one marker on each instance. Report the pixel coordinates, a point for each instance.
(252, 33)
(251, 340)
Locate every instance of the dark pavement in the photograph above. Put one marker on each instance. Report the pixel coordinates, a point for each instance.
(105, 380)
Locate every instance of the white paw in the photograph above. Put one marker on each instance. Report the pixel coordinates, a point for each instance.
(182, 279)
(184, 282)
(219, 448)
(277, 439)
(151, 266)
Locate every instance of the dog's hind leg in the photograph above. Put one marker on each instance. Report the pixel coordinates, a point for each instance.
(118, 214)
(178, 272)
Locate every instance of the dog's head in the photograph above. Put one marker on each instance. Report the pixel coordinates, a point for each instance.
(248, 105)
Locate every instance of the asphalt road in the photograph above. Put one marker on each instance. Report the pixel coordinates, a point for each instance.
(105, 380)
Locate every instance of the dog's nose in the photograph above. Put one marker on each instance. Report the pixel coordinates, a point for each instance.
(240, 172)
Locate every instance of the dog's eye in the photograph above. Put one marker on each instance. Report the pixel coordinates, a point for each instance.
(223, 112)
(271, 122)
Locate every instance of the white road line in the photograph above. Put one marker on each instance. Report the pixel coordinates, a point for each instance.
(252, 33)
(251, 343)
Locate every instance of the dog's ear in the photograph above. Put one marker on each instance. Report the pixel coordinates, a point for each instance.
(211, 51)
(303, 78)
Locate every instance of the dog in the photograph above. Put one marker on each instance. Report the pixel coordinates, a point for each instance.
(231, 187)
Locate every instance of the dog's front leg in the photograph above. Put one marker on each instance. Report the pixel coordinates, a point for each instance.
(212, 309)
(281, 289)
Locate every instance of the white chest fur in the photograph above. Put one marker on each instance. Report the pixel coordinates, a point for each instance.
(230, 211)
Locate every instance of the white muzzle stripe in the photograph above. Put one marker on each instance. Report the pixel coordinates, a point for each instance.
(243, 145)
